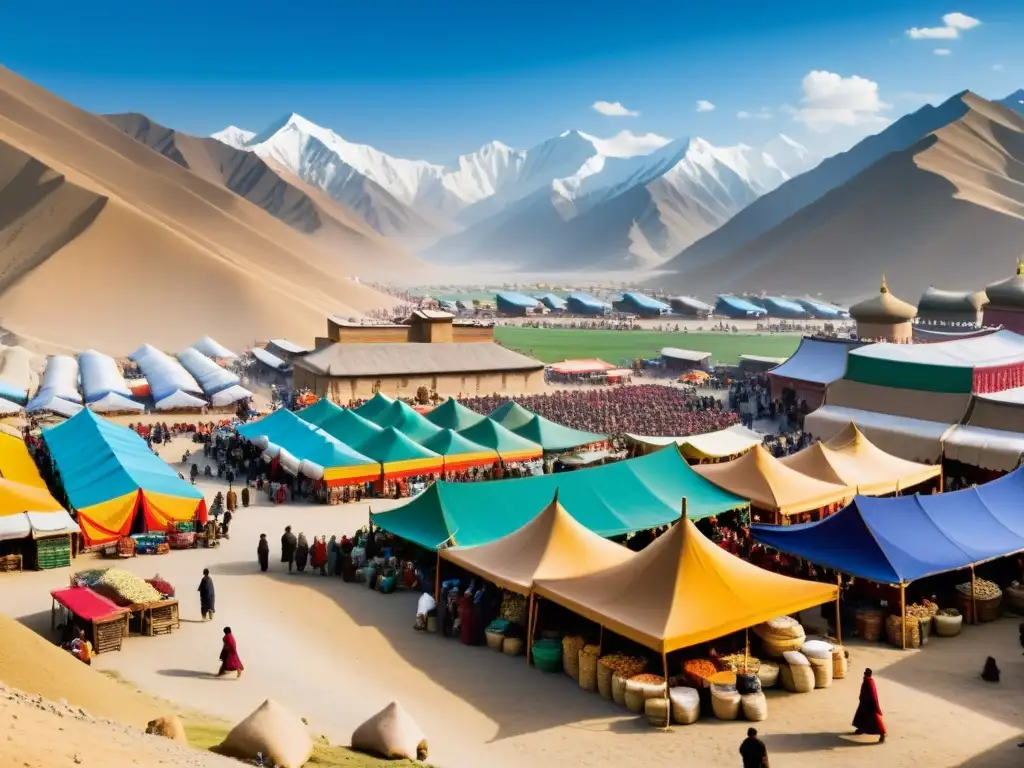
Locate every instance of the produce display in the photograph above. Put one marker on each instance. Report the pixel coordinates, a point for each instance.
(948, 612)
(738, 662)
(622, 665)
(162, 586)
(700, 671)
(513, 608)
(780, 634)
(926, 608)
(983, 589)
(120, 586)
(647, 678)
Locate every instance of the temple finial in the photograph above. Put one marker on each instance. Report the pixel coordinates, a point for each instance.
(885, 288)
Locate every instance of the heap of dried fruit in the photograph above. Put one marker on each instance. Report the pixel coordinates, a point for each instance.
(983, 589)
(622, 665)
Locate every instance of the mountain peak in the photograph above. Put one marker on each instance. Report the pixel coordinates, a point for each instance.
(234, 136)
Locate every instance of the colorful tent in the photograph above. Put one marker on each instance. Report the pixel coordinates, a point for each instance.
(109, 474)
(610, 500)
(407, 421)
(340, 423)
(554, 437)
(458, 452)
(509, 445)
(849, 458)
(553, 545)
(400, 456)
(511, 415)
(681, 591)
(303, 448)
(771, 485)
(17, 464)
(373, 406)
(451, 414)
(731, 441)
(26, 506)
(900, 539)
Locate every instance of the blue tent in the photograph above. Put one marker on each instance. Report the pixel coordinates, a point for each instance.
(552, 301)
(778, 307)
(735, 307)
(580, 303)
(821, 311)
(640, 304)
(898, 540)
(511, 303)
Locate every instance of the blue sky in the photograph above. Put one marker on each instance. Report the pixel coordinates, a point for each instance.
(433, 78)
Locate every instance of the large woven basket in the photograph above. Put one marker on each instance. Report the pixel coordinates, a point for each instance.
(840, 664)
(822, 670)
(1013, 600)
(571, 647)
(798, 679)
(588, 668)
(768, 673)
(894, 632)
(604, 680)
(947, 626)
(619, 690)
(869, 625)
(725, 704)
(776, 646)
(988, 610)
(755, 706)
(685, 705)
(658, 712)
(495, 640)
(512, 646)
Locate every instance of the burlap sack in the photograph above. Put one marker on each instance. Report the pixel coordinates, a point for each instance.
(391, 734)
(169, 727)
(272, 730)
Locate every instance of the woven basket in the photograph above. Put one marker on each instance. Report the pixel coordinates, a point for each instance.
(947, 626)
(571, 647)
(776, 646)
(725, 704)
(796, 679)
(588, 668)
(869, 625)
(840, 665)
(604, 680)
(658, 712)
(685, 705)
(512, 646)
(755, 706)
(494, 640)
(768, 674)
(619, 690)
(988, 610)
(822, 671)
(894, 632)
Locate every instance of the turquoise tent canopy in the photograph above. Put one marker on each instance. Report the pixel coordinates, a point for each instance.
(340, 423)
(511, 415)
(610, 500)
(555, 437)
(373, 406)
(99, 461)
(451, 414)
(407, 421)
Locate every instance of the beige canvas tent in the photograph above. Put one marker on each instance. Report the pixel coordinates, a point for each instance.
(849, 458)
(723, 443)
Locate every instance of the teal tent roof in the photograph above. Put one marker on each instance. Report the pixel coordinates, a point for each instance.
(492, 435)
(554, 437)
(407, 421)
(99, 461)
(390, 445)
(451, 414)
(303, 441)
(511, 415)
(373, 406)
(340, 423)
(448, 442)
(610, 500)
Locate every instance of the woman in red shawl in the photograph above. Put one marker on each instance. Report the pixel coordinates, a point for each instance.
(318, 555)
(467, 619)
(868, 718)
(229, 660)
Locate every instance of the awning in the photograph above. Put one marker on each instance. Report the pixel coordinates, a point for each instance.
(269, 359)
(720, 444)
(112, 402)
(995, 449)
(554, 437)
(453, 415)
(510, 415)
(400, 456)
(912, 439)
(30, 511)
(340, 423)
(458, 452)
(402, 417)
(86, 604)
(509, 445)
(816, 361)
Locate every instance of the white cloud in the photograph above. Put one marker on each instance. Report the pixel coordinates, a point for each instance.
(703, 105)
(613, 109)
(763, 114)
(831, 100)
(952, 25)
(942, 51)
(997, 67)
(629, 144)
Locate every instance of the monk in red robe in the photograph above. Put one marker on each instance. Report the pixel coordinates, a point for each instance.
(229, 659)
(868, 718)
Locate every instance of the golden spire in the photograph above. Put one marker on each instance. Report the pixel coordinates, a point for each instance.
(885, 288)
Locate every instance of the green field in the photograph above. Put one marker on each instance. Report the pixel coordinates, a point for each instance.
(550, 345)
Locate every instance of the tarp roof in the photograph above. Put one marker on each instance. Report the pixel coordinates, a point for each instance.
(211, 348)
(17, 464)
(999, 348)
(517, 299)
(899, 539)
(589, 365)
(269, 359)
(458, 452)
(50, 402)
(211, 377)
(611, 499)
(31, 511)
(771, 485)
(730, 441)
(231, 395)
(586, 300)
(555, 437)
(509, 445)
(816, 361)
(179, 400)
(997, 449)
(683, 590)
(736, 304)
(689, 355)
(819, 309)
(400, 456)
(374, 405)
(289, 346)
(164, 374)
(692, 303)
(784, 307)
(340, 423)
(908, 438)
(451, 414)
(87, 604)
(8, 407)
(407, 421)
(552, 301)
(645, 302)
(112, 402)
(100, 376)
(511, 415)
(849, 458)
(553, 545)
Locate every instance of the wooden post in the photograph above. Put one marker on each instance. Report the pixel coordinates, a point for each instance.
(531, 608)
(746, 648)
(668, 702)
(974, 607)
(600, 641)
(903, 613)
(839, 618)
(437, 578)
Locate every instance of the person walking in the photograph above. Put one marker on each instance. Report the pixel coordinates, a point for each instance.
(231, 500)
(301, 553)
(868, 718)
(206, 595)
(318, 555)
(288, 546)
(229, 659)
(245, 496)
(263, 552)
(753, 751)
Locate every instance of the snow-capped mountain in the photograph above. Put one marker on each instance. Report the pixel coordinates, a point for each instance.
(502, 199)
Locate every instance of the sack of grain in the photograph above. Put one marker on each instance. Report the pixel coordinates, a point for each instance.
(725, 703)
(822, 669)
(685, 704)
(643, 687)
(755, 706)
(512, 646)
(947, 624)
(768, 674)
(495, 640)
(795, 659)
(571, 647)
(840, 665)
(658, 712)
(798, 679)
(604, 679)
(748, 683)
(783, 626)
(619, 690)
(817, 649)
(588, 667)
(273, 731)
(391, 734)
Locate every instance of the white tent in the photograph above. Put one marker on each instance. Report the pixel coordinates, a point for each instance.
(17, 374)
(53, 404)
(231, 395)
(100, 376)
(115, 403)
(36, 524)
(269, 359)
(166, 375)
(7, 408)
(60, 378)
(211, 377)
(179, 400)
(212, 349)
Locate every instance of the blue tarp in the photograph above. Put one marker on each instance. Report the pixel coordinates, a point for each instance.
(552, 301)
(513, 299)
(638, 302)
(819, 310)
(783, 307)
(585, 304)
(898, 540)
(733, 306)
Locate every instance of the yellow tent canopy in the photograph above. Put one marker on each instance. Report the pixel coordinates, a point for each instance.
(730, 441)
(771, 485)
(681, 591)
(849, 458)
(16, 463)
(553, 545)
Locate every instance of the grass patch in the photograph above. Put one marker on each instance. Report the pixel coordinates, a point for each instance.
(205, 734)
(550, 345)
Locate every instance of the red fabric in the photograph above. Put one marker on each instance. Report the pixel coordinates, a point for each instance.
(229, 660)
(998, 378)
(869, 713)
(86, 604)
(467, 619)
(318, 555)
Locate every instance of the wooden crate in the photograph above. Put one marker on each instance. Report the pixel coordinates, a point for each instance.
(162, 618)
(53, 552)
(107, 635)
(10, 563)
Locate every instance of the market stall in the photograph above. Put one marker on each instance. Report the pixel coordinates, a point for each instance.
(149, 604)
(453, 415)
(458, 452)
(555, 438)
(340, 423)
(401, 457)
(710, 446)
(402, 417)
(511, 415)
(374, 405)
(105, 622)
(510, 446)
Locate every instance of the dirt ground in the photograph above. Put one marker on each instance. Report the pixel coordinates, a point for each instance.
(335, 653)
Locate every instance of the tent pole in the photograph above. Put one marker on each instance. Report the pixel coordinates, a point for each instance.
(903, 614)
(746, 648)
(668, 703)
(839, 618)
(974, 607)
(600, 641)
(530, 611)
(437, 578)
